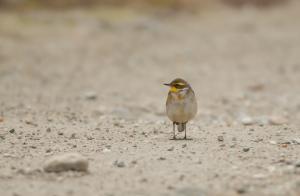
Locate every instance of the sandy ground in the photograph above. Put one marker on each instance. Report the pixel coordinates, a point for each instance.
(89, 82)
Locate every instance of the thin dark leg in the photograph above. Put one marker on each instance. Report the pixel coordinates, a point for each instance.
(184, 126)
(174, 136)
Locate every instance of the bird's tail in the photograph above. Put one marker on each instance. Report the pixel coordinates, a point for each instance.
(180, 127)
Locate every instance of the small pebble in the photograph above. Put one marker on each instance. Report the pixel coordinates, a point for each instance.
(277, 120)
(134, 162)
(241, 190)
(28, 122)
(48, 130)
(73, 136)
(284, 145)
(161, 158)
(7, 155)
(181, 177)
(143, 180)
(106, 150)
(273, 142)
(246, 149)
(170, 187)
(262, 120)
(247, 120)
(90, 95)
(258, 140)
(256, 87)
(171, 149)
(119, 163)
(220, 138)
(89, 137)
(296, 141)
(116, 124)
(12, 131)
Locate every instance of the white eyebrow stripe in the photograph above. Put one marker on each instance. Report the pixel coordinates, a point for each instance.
(181, 84)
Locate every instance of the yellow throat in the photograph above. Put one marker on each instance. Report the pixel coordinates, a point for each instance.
(173, 89)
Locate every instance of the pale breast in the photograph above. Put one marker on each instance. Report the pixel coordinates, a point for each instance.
(181, 110)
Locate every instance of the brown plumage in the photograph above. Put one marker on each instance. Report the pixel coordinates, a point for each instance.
(181, 105)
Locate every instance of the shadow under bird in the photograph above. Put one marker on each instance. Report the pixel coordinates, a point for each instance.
(181, 105)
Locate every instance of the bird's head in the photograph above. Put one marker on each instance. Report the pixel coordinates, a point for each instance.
(178, 85)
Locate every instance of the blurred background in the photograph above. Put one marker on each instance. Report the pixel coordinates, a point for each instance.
(225, 48)
(180, 4)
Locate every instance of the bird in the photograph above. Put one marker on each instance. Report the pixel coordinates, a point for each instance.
(181, 105)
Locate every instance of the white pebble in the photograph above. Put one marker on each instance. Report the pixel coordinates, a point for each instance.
(247, 120)
(106, 150)
(273, 142)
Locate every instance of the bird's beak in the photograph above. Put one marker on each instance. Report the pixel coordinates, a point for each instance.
(167, 84)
